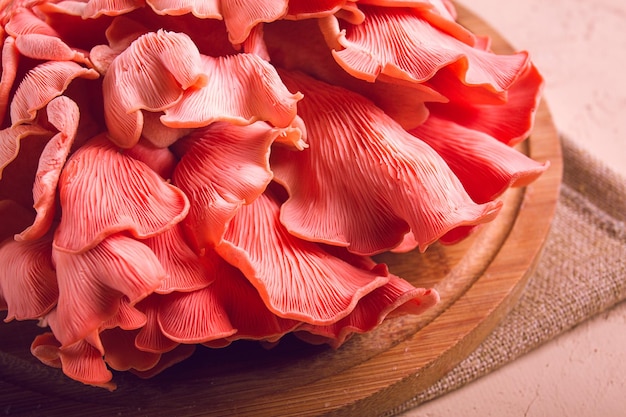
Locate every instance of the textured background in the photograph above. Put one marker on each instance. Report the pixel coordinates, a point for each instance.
(579, 47)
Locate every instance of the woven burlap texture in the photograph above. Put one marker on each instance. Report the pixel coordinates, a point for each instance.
(581, 273)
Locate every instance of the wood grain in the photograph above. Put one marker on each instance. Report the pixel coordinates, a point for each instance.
(479, 280)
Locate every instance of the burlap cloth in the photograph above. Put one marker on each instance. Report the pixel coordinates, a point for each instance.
(582, 272)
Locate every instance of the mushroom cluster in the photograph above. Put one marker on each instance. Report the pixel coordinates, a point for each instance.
(176, 173)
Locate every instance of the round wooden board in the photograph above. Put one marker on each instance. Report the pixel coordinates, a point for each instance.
(479, 280)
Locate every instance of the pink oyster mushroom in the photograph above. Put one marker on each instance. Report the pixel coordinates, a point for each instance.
(193, 173)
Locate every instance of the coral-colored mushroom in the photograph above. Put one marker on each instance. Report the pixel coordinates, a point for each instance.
(10, 60)
(24, 22)
(223, 167)
(485, 166)
(103, 191)
(80, 361)
(62, 113)
(150, 337)
(240, 89)
(296, 279)
(205, 9)
(45, 47)
(510, 121)
(256, 321)
(46, 348)
(300, 46)
(127, 317)
(160, 160)
(10, 139)
(90, 9)
(43, 83)
(121, 353)
(151, 74)
(186, 271)
(307, 9)
(120, 34)
(371, 49)
(395, 298)
(20, 148)
(364, 182)
(28, 282)
(92, 284)
(439, 13)
(240, 17)
(194, 317)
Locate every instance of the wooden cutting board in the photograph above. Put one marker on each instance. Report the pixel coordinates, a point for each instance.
(479, 280)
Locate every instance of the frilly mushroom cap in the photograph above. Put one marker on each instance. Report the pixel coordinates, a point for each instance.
(23, 22)
(151, 74)
(10, 62)
(46, 348)
(150, 337)
(92, 284)
(35, 39)
(186, 271)
(256, 321)
(104, 191)
(194, 317)
(43, 83)
(309, 9)
(222, 167)
(297, 279)
(241, 17)
(63, 114)
(510, 121)
(205, 9)
(368, 50)
(231, 290)
(160, 160)
(240, 89)
(127, 317)
(300, 45)
(11, 138)
(210, 315)
(27, 279)
(397, 297)
(96, 8)
(121, 353)
(439, 13)
(364, 182)
(485, 166)
(20, 148)
(80, 361)
(120, 34)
